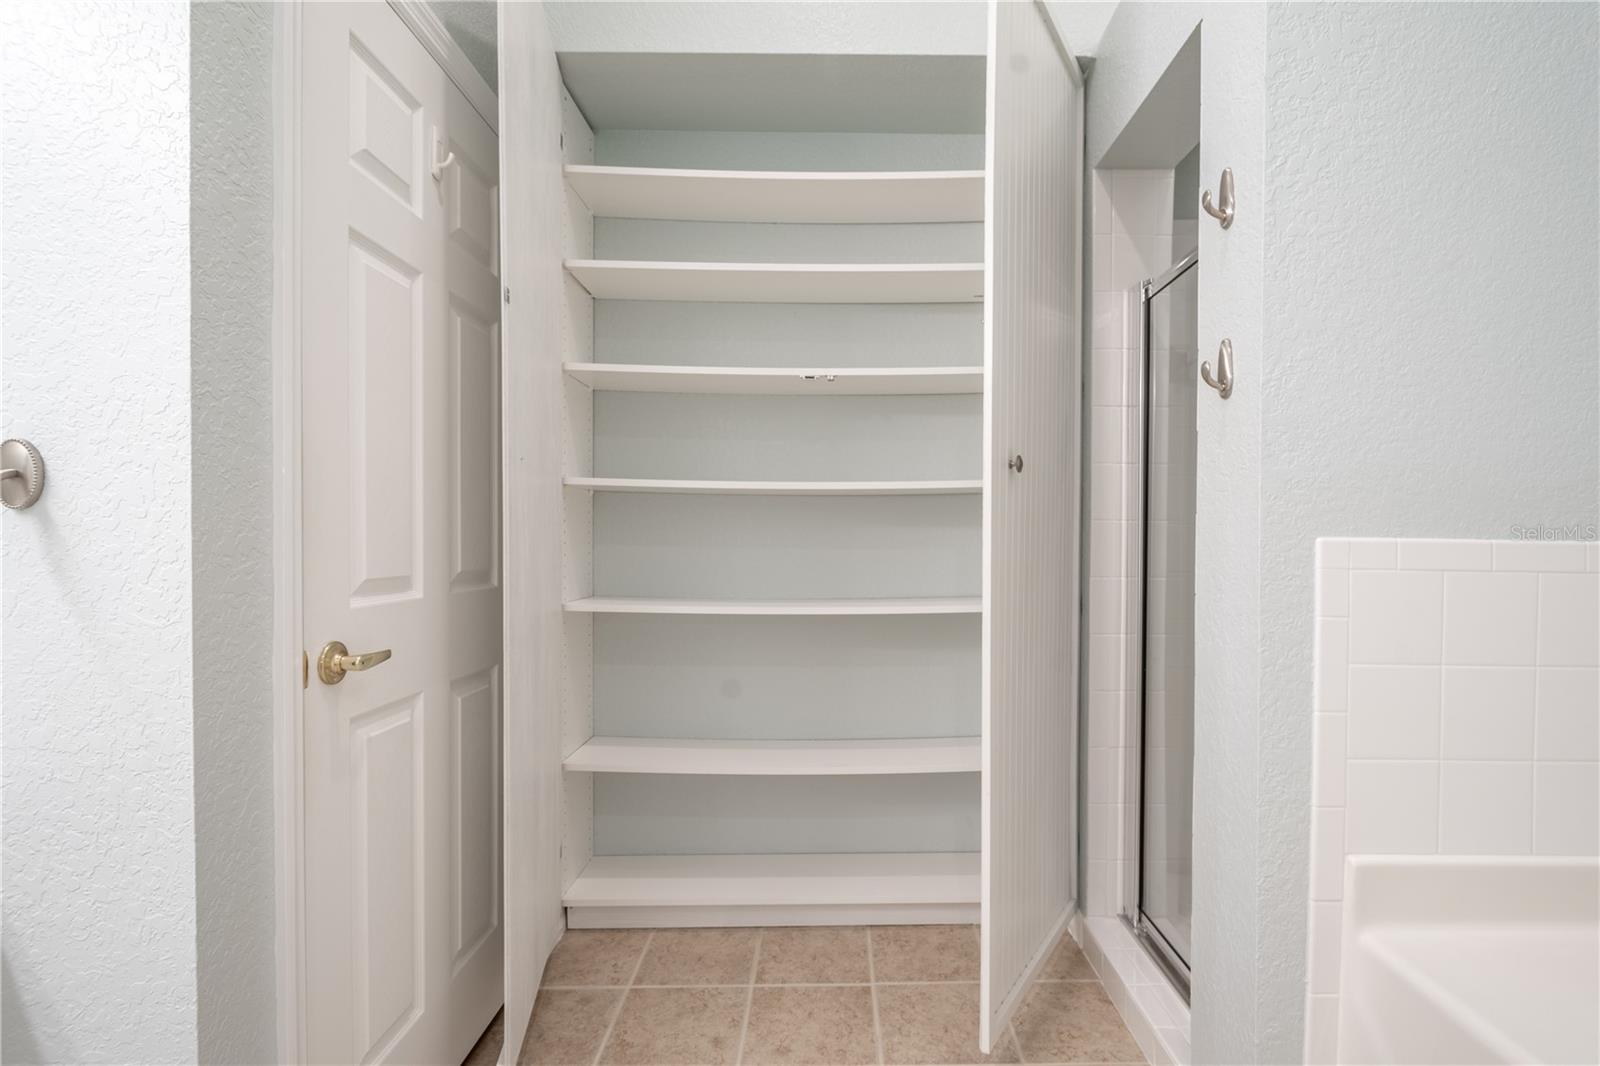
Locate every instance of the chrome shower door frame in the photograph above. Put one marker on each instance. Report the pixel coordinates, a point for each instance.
(1137, 548)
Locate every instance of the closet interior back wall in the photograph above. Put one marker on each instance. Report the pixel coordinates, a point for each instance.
(873, 677)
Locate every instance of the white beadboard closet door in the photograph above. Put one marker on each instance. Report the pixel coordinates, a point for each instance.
(531, 196)
(1032, 354)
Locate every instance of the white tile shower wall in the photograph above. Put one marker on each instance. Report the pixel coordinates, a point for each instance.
(1133, 239)
(1457, 711)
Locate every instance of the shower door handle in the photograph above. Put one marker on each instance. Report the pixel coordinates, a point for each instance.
(1223, 381)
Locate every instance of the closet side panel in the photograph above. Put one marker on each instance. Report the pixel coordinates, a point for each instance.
(577, 512)
(1033, 335)
(531, 239)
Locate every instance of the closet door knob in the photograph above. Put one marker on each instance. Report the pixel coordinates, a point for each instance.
(1015, 464)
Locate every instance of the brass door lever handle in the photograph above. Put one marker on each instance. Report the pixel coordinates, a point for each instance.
(335, 660)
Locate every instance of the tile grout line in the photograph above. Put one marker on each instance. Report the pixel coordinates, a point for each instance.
(750, 995)
(1438, 747)
(812, 984)
(1539, 674)
(622, 1000)
(872, 990)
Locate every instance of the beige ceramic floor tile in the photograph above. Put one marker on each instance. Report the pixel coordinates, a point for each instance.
(813, 955)
(1067, 963)
(924, 953)
(811, 1025)
(677, 1027)
(486, 1052)
(925, 1024)
(568, 1025)
(594, 957)
(699, 957)
(1073, 1021)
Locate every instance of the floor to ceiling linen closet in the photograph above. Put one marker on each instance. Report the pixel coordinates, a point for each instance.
(791, 441)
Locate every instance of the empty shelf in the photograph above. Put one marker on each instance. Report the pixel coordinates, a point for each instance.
(780, 381)
(792, 283)
(775, 880)
(780, 196)
(625, 605)
(776, 488)
(751, 758)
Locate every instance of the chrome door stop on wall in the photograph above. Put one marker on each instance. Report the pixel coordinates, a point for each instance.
(21, 474)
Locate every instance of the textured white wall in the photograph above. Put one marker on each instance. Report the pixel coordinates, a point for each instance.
(231, 403)
(98, 839)
(1431, 356)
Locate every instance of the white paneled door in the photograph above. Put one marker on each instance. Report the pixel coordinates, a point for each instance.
(1032, 341)
(402, 938)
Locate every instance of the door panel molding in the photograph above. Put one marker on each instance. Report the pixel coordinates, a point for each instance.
(291, 134)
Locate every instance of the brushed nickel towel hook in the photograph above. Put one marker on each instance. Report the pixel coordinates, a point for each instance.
(1223, 382)
(1222, 210)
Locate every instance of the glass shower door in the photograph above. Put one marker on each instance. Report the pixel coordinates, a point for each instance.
(1166, 770)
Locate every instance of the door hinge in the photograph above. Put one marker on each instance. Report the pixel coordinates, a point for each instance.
(508, 294)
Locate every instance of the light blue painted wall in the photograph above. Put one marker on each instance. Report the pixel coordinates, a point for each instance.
(230, 331)
(472, 25)
(1417, 365)
(1431, 356)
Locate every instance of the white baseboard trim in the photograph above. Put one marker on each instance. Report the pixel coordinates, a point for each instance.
(701, 917)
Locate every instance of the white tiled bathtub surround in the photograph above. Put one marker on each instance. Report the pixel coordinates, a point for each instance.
(1457, 712)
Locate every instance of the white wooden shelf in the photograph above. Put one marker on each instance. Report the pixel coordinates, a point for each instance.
(780, 381)
(626, 605)
(776, 488)
(788, 283)
(771, 93)
(780, 196)
(776, 880)
(762, 758)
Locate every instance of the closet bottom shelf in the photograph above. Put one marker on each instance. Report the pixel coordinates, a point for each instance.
(635, 891)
